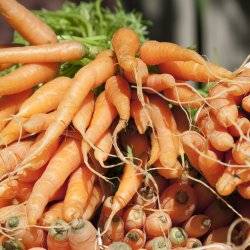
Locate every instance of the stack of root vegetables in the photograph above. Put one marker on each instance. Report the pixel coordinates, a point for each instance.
(63, 146)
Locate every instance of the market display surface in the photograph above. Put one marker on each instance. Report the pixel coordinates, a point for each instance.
(109, 140)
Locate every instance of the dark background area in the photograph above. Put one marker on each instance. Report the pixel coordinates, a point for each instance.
(219, 29)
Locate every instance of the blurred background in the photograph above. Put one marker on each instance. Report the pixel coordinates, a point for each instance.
(218, 29)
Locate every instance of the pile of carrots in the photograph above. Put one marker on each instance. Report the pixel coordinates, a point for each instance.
(109, 159)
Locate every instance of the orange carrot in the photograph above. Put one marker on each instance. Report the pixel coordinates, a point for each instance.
(4, 66)
(57, 238)
(24, 191)
(39, 122)
(82, 235)
(54, 213)
(190, 70)
(217, 235)
(26, 23)
(136, 238)
(244, 190)
(242, 126)
(158, 243)
(9, 105)
(115, 231)
(155, 150)
(12, 210)
(154, 52)
(193, 243)
(90, 76)
(94, 202)
(184, 95)
(63, 163)
(134, 217)
(78, 193)
(219, 214)
(11, 156)
(178, 236)
(241, 152)
(179, 201)
(157, 224)
(12, 244)
(58, 52)
(118, 93)
(169, 173)
(26, 77)
(197, 225)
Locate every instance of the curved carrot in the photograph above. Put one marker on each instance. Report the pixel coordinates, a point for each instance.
(197, 225)
(154, 52)
(82, 235)
(136, 238)
(45, 53)
(64, 162)
(179, 201)
(78, 193)
(26, 77)
(190, 70)
(9, 105)
(54, 213)
(26, 23)
(118, 93)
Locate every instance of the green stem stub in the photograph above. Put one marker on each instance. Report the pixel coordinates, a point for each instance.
(59, 230)
(177, 235)
(12, 222)
(181, 197)
(77, 224)
(161, 243)
(12, 244)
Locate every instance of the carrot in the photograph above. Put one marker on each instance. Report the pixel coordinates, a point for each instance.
(94, 202)
(119, 245)
(134, 217)
(244, 190)
(178, 236)
(4, 66)
(136, 238)
(169, 173)
(138, 113)
(219, 214)
(217, 235)
(45, 53)
(204, 197)
(184, 95)
(155, 149)
(12, 155)
(13, 244)
(26, 77)
(103, 147)
(58, 236)
(12, 210)
(165, 126)
(118, 93)
(242, 126)
(115, 231)
(30, 237)
(210, 168)
(83, 117)
(159, 82)
(157, 224)
(154, 52)
(241, 152)
(78, 193)
(26, 23)
(179, 201)
(90, 76)
(64, 162)
(98, 126)
(193, 243)
(239, 86)
(197, 225)
(54, 213)
(82, 235)
(37, 248)
(158, 243)
(24, 191)
(39, 122)
(194, 71)
(9, 105)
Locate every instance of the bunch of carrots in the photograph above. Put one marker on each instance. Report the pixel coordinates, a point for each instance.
(123, 167)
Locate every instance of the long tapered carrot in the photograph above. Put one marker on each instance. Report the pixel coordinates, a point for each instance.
(58, 52)
(26, 23)
(79, 190)
(9, 105)
(39, 122)
(46, 98)
(12, 155)
(26, 77)
(118, 93)
(87, 78)
(190, 70)
(63, 163)
(154, 52)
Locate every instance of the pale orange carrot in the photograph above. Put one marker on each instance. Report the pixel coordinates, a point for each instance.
(64, 162)
(169, 173)
(26, 77)
(178, 236)
(26, 23)
(242, 127)
(45, 53)
(155, 150)
(78, 193)
(190, 70)
(54, 213)
(241, 152)
(136, 238)
(12, 210)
